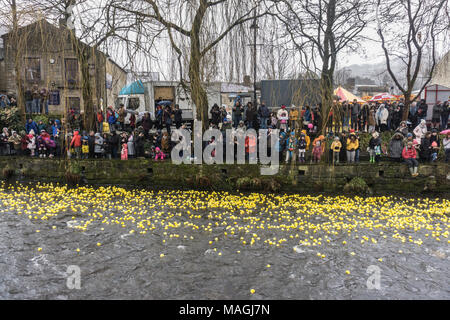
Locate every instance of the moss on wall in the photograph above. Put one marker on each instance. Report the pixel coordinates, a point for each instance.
(385, 177)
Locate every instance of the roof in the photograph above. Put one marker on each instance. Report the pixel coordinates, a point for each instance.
(136, 87)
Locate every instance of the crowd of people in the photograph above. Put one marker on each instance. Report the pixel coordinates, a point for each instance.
(116, 138)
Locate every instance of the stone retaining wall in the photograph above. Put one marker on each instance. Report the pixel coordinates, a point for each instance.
(384, 178)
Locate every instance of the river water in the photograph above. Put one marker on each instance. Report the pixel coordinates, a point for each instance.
(146, 244)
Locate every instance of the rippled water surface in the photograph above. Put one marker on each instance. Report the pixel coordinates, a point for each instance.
(143, 244)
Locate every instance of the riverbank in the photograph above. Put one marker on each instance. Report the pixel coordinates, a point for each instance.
(363, 178)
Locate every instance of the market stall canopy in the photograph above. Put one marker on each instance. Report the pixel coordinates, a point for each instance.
(136, 87)
(345, 95)
(383, 97)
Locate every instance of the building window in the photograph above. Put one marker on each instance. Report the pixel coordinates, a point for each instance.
(32, 69)
(71, 66)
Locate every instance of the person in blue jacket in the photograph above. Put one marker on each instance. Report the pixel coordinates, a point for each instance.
(31, 125)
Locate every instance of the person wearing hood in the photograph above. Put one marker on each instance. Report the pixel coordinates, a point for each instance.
(317, 150)
(31, 125)
(420, 130)
(336, 149)
(321, 139)
(31, 145)
(76, 143)
(396, 147)
(307, 139)
(403, 128)
(409, 154)
(382, 117)
(375, 148)
(352, 145)
(98, 145)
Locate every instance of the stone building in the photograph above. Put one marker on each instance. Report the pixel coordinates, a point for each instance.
(49, 64)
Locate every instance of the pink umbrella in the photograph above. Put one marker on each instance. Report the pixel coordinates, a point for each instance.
(383, 97)
(446, 131)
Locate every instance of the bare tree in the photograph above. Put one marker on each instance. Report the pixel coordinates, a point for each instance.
(408, 30)
(193, 28)
(320, 30)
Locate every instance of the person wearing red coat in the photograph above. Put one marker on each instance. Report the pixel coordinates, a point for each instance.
(76, 143)
(409, 153)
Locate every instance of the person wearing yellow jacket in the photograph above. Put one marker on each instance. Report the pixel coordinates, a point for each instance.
(307, 139)
(293, 117)
(336, 149)
(352, 145)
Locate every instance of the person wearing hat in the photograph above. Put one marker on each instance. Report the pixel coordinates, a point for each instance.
(375, 148)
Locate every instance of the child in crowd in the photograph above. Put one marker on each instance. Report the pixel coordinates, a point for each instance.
(124, 152)
(317, 151)
(375, 147)
(31, 142)
(159, 155)
(336, 148)
(291, 145)
(352, 145)
(302, 148)
(409, 154)
(435, 145)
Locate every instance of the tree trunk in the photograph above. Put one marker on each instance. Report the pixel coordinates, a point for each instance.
(326, 89)
(88, 116)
